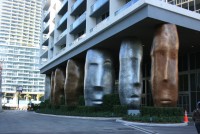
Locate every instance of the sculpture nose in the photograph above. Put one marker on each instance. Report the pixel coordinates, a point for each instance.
(165, 71)
(98, 77)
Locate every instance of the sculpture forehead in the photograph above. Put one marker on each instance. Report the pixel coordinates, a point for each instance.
(131, 48)
(96, 56)
(166, 38)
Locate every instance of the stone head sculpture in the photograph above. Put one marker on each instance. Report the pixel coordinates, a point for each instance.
(130, 76)
(73, 82)
(164, 70)
(52, 87)
(59, 81)
(99, 76)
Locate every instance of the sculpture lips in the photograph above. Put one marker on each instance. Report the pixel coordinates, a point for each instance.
(134, 96)
(166, 101)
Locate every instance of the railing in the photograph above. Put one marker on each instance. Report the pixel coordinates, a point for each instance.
(100, 24)
(77, 40)
(44, 49)
(97, 4)
(62, 34)
(60, 51)
(76, 4)
(186, 4)
(63, 18)
(78, 21)
(63, 3)
(125, 6)
(46, 24)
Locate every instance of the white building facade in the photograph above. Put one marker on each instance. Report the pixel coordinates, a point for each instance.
(71, 27)
(20, 27)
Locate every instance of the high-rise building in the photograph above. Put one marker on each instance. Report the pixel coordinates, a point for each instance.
(20, 27)
(71, 27)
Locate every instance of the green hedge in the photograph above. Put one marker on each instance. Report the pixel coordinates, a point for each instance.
(120, 110)
(109, 101)
(161, 111)
(154, 119)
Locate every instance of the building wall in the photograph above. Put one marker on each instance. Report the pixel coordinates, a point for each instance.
(20, 22)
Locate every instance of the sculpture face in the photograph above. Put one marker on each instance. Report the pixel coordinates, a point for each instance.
(99, 77)
(164, 75)
(73, 82)
(52, 87)
(130, 76)
(59, 81)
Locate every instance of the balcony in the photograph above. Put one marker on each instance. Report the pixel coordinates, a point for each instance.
(45, 40)
(78, 39)
(44, 49)
(46, 27)
(127, 5)
(99, 24)
(46, 15)
(61, 51)
(99, 7)
(62, 20)
(61, 39)
(47, 4)
(78, 24)
(78, 7)
(63, 7)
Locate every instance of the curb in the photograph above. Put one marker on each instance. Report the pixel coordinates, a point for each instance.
(151, 124)
(80, 117)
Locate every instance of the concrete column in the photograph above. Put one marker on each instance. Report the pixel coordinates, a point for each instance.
(70, 20)
(90, 22)
(115, 5)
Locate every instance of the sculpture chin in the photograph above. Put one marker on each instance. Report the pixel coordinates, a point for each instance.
(133, 102)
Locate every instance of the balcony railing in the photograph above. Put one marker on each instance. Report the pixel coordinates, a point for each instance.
(76, 4)
(61, 50)
(186, 4)
(62, 34)
(100, 24)
(63, 18)
(78, 21)
(78, 39)
(125, 6)
(46, 24)
(63, 3)
(44, 49)
(97, 4)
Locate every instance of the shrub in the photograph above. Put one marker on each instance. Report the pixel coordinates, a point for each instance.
(109, 101)
(81, 101)
(154, 119)
(161, 111)
(120, 110)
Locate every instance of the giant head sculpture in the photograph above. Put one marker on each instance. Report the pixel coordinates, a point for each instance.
(164, 70)
(99, 76)
(52, 87)
(130, 76)
(59, 81)
(73, 82)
